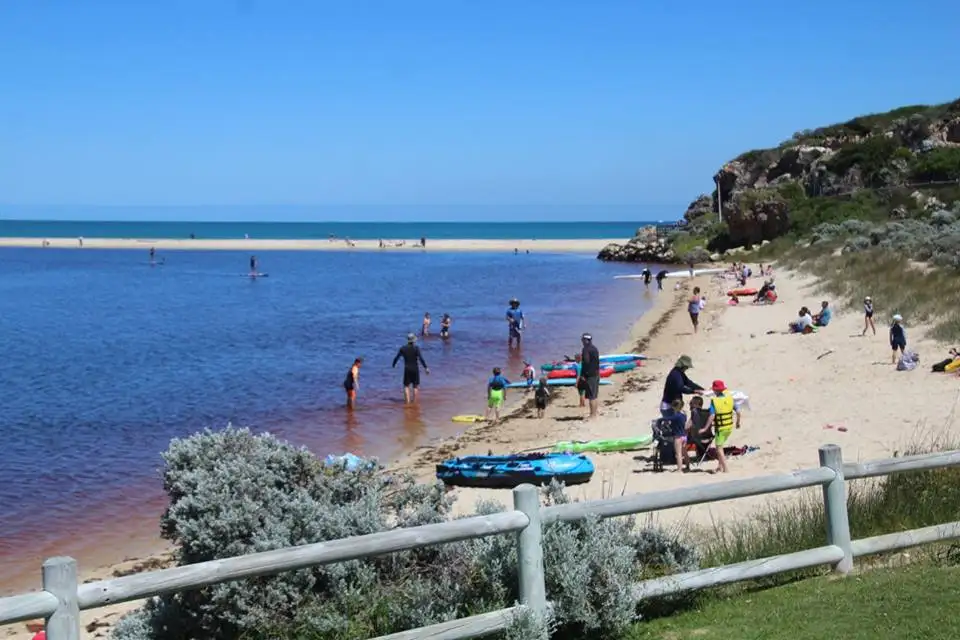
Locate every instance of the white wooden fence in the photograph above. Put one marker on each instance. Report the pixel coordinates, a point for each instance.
(63, 597)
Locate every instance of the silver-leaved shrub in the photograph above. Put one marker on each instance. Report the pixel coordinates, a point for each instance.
(233, 492)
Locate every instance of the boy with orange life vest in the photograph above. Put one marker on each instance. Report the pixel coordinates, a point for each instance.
(721, 420)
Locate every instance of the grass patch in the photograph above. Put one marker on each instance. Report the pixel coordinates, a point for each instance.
(905, 603)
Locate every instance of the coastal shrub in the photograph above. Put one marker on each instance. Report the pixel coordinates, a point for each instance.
(940, 164)
(942, 218)
(873, 156)
(233, 492)
(857, 243)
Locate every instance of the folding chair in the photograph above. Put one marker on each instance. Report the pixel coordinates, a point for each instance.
(662, 444)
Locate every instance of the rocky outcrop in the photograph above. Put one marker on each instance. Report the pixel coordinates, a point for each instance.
(640, 249)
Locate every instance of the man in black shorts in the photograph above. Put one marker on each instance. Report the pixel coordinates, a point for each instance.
(590, 372)
(412, 359)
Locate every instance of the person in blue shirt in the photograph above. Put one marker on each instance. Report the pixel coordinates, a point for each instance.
(677, 422)
(515, 322)
(496, 391)
(822, 319)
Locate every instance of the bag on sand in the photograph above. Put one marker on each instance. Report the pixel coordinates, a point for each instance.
(908, 361)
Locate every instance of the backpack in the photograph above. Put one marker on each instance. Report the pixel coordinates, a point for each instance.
(941, 366)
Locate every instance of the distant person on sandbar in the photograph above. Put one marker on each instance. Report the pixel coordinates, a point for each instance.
(868, 316)
(677, 384)
(425, 327)
(253, 265)
(351, 384)
(496, 392)
(590, 372)
(660, 276)
(646, 276)
(445, 323)
(412, 359)
(515, 322)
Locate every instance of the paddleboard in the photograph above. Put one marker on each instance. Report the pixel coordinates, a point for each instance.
(467, 418)
(696, 272)
(622, 357)
(610, 444)
(256, 275)
(630, 277)
(551, 382)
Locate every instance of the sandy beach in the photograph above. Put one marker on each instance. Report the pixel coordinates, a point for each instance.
(252, 244)
(802, 389)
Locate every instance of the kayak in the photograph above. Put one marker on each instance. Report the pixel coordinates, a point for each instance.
(743, 291)
(609, 444)
(554, 382)
(605, 372)
(467, 418)
(620, 367)
(612, 364)
(696, 272)
(508, 471)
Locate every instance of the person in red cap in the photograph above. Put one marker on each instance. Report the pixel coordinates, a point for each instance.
(721, 420)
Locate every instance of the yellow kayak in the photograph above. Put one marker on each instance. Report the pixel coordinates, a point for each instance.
(467, 418)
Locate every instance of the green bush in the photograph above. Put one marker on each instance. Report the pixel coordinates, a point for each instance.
(937, 165)
(233, 492)
(874, 156)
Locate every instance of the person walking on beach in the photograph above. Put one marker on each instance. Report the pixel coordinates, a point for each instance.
(722, 412)
(693, 308)
(868, 316)
(515, 322)
(677, 384)
(351, 384)
(540, 397)
(660, 276)
(898, 336)
(412, 359)
(496, 392)
(590, 372)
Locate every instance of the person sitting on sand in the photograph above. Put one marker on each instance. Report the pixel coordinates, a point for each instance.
(697, 433)
(496, 390)
(722, 411)
(822, 319)
(540, 396)
(677, 384)
(804, 322)
(898, 336)
(766, 287)
(868, 316)
(445, 323)
(678, 433)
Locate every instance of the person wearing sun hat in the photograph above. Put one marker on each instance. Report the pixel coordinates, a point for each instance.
(677, 384)
(723, 415)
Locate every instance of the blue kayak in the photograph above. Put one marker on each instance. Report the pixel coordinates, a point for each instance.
(506, 472)
(552, 382)
(622, 357)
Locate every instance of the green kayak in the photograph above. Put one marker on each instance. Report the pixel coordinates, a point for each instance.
(600, 446)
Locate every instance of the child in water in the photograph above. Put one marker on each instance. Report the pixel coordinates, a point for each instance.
(898, 337)
(529, 374)
(425, 329)
(496, 390)
(445, 323)
(540, 397)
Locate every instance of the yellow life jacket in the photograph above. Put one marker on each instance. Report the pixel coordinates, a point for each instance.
(723, 412)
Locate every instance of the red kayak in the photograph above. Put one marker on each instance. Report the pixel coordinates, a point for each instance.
(605, 372)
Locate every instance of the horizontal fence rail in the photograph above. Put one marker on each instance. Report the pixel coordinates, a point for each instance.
(63, 597)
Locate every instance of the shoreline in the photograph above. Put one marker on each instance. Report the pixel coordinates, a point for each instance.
(792, 381)
(571, 245)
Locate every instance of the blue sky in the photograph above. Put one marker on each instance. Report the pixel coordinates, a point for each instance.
(250, 102)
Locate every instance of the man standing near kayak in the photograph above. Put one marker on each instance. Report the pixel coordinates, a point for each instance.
(515, 322)
(590, 372)
(412, 359)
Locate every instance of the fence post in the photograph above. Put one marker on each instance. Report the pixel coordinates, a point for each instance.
(533, 590)
(835, 506)
(60, 579)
